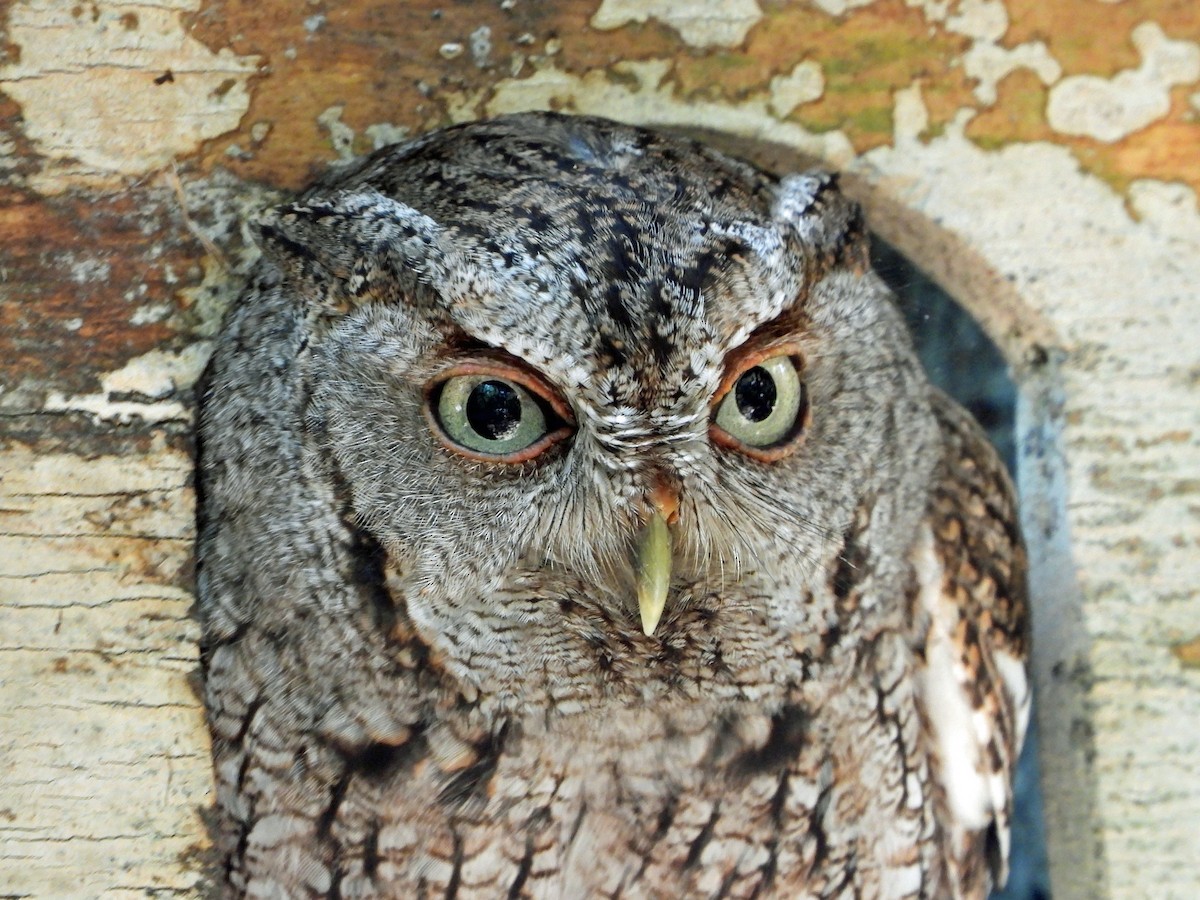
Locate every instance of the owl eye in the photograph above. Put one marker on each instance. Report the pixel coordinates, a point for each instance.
(496, 414)
(763, 407)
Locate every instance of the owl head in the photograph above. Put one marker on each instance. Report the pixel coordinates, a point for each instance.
(597, 394)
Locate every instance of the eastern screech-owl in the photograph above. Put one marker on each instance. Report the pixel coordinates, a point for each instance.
(576, 521)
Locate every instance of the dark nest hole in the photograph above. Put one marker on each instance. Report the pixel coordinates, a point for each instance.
(963, 362)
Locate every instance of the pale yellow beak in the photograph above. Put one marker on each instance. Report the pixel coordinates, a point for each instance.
(654, 558)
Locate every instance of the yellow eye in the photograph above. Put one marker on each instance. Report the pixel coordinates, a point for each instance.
(496, 412)
(763, 408)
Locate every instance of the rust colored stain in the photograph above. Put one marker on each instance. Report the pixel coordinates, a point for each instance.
(584, 49)
(1188, 653)
(22, 158)
(1018, 115)
(382, 62)
(1093, 38)
(1168, 149)
(378, 59)
(77, 267)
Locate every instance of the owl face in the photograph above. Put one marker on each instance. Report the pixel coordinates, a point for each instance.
(605, 389)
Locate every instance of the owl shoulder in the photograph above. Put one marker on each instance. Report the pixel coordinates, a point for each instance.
(974, 684)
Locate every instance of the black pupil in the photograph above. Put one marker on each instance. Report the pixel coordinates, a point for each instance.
(494, 410)
(755, 393)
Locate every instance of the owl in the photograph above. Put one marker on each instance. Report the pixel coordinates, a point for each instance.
(575, 520)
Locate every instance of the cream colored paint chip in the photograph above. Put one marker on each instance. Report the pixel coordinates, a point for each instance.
(157, 377)
(1110, 109)
(982, 20)
(701, 23)
(107, 57)
(987, 62)
(804, 84)
(910, 116)
(840, 7)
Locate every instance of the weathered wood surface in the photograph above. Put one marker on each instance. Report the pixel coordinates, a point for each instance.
(1041, 159)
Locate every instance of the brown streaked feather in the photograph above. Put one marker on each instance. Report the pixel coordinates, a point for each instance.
(978, 639)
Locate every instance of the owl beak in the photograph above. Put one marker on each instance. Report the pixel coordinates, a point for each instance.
(654, 557)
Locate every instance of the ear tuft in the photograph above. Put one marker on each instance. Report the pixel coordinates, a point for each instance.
(345, 248)
(828, 224)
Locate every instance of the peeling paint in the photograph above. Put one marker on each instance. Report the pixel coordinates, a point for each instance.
(910, 117)
(341, 135)
(840, 7)
(701, 23)
(98, 646)
(124, 118)
(981, 20)
(381, 134)
(1110, 109)
(650, 100)
(343, 138)
(144, 388)
(803, 84)
(103, 409)
(1119, 293)
(936, 11)
(152, 312)
(1089, 255)
(481, 46)
(87, 271)
(988, 63)
(1168, 206)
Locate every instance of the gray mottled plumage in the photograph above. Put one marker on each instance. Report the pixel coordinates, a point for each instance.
(425, 671)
